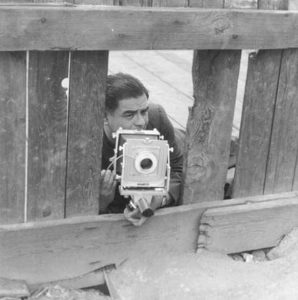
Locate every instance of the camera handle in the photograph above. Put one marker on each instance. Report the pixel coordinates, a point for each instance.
(143, 204)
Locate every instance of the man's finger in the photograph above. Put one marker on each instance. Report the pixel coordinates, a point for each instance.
(107, 176)
(102, 175)
(134, 217)
(112, 178)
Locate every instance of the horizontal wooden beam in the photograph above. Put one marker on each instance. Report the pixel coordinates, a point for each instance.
(128, 28)
(248, 227)
(63, 249)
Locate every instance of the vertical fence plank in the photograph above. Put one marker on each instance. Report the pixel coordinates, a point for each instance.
(241, 4)
(258, 115)
(273, 4)
(88, 73)
(94, 2)
(284, 142)
(258, 109)
(206, 3)
(215, 76)
(295, 180)
(170, 3)
(132, 2)
(47, 134)
(12, 136)
(209, 126)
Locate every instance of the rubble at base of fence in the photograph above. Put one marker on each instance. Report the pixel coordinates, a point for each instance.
(286, 246)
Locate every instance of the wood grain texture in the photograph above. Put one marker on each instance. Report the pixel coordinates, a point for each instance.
(282, 161)
(94, 2)
(215, 76)
(86, 112)
(295, 179)
(47, 134)
(12, 136)
(170, 3)
(273, 4)
(256, 123)
(206, 3)
(209, 126)
(241, 3)
(248, 227)
(61, 249)
(129, 28)
(257, 117)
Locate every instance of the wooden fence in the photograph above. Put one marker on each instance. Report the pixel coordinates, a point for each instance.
(50, 141)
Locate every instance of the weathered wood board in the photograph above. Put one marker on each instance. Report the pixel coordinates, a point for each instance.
(12, 136)
(207, 3)
(170, 3)
(60, 249)
(268, 136)
(209, 127)
(256, 123)
(241, 3)
(47, 134)
(129, 28)
(283, 154)
(274, 4)
(248, 227)
(210, 121)
(88, 71)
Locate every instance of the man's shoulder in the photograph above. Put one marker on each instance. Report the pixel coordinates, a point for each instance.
(155, 108)
(156, 115)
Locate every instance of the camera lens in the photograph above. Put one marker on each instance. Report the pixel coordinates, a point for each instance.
(146, 163)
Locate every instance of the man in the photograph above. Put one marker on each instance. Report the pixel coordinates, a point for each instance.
(127, 106)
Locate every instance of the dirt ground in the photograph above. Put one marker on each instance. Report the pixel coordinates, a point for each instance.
(211, 276)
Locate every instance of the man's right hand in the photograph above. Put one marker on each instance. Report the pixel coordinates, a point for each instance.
(108, 184)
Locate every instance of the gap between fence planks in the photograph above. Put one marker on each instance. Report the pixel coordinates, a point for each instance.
(129, 28)
(248, 227)
(60, 249)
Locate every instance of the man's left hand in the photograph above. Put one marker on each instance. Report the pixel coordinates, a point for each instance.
(136, 218)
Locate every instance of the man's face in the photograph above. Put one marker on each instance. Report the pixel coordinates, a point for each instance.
(131, 113)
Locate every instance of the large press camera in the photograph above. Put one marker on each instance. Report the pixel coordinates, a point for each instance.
(143, 160)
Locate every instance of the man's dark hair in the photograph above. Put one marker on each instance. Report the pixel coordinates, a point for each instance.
(122, 86)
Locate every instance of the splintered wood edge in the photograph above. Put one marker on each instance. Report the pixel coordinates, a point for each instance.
(208, 219)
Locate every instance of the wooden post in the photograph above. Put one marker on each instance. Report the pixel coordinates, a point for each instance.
(215, 75)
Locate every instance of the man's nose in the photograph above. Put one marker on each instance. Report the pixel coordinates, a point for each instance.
(140, 120)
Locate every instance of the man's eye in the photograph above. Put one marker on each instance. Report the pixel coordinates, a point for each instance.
(129, 116)
(143, 112)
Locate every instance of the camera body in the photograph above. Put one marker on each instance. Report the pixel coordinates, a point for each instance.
(143, 160)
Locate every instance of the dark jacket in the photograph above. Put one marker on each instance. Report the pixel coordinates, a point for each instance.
(157, 119)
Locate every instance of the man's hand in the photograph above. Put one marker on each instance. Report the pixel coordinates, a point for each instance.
(108, 184)
(135, 217)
